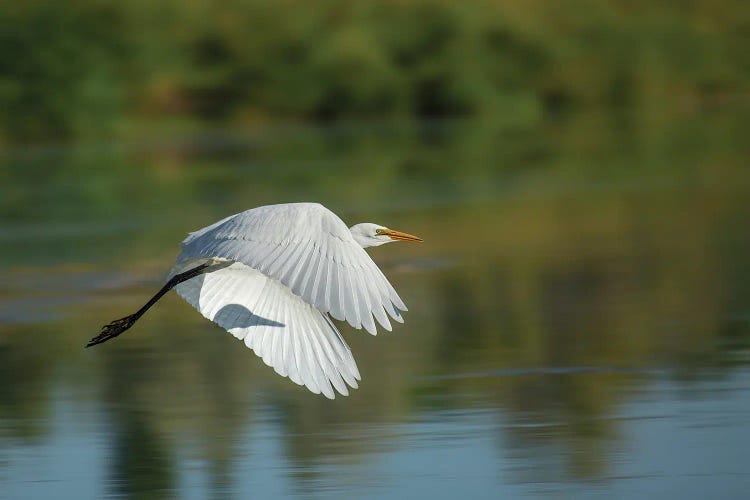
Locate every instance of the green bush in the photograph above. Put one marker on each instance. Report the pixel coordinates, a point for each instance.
(60, 69)
(89, 68)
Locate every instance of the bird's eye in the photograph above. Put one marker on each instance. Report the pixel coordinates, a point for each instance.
(379, 231)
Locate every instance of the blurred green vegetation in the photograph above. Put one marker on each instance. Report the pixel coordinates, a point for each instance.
(99, 69)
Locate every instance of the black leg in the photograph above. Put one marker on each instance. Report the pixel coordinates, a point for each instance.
(116, 327)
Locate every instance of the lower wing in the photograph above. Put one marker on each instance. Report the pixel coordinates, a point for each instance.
(291, 336)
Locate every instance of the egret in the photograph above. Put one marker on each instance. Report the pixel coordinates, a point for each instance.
(273, 276)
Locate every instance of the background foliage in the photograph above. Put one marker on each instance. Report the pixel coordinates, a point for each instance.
(100, 68)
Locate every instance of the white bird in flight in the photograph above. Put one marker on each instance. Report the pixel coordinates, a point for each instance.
(274, 276)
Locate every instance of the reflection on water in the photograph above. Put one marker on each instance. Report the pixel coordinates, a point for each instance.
(575, 328)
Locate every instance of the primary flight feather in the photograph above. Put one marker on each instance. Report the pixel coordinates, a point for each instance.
(273, 276)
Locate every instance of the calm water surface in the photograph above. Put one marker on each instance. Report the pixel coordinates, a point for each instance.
(579, 320)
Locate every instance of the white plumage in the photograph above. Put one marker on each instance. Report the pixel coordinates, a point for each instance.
(276, 274)
(291, 336)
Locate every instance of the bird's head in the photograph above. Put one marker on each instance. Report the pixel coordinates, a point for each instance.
(373, 235)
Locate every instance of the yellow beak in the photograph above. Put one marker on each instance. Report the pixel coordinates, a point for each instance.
(398, 235)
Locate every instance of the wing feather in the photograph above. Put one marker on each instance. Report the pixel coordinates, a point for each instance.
(364, 307)
(320, 292)
(350, 372)
(277, 361)
(212, 298)
(277, 268)
(268, 331)
(264, 250)
(330, 376)
(328, 359)
(290, 366)
(289, 273)
(259, 332)
(264, 265)
(290, 335)
(298, 358)
(302, 266)
(337, 310)
(306, 276)
(316, 378)
(328, 293)
(379, 312)
(352, 297)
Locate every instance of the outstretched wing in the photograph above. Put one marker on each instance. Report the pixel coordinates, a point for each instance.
(291, 336)
(309, 249)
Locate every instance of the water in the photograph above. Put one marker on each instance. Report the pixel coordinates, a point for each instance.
(579, 319)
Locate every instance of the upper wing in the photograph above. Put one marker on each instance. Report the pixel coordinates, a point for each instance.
(309, 249)
(290, 335)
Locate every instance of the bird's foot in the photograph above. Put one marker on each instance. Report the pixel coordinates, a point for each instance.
(113, 329)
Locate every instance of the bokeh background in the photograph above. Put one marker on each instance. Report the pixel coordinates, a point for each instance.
(579, 318)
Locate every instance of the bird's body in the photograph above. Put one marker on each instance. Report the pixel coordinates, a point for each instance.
(273, 275)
